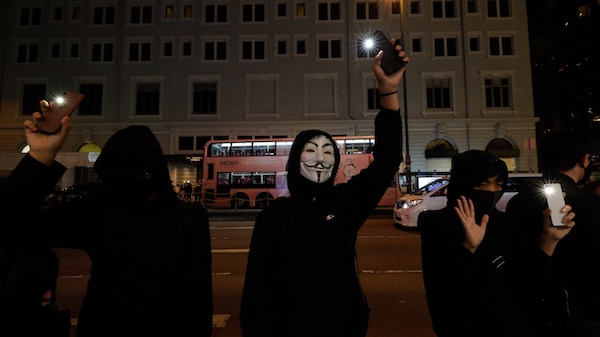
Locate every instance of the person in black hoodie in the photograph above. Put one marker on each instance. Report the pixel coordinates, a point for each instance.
(28, 270)
(301, 277)
(150, 252)
(477, 280)
(570, 305)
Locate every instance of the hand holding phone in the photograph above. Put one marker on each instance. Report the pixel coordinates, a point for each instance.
(62, 106)
(390, 61)
(556, 202)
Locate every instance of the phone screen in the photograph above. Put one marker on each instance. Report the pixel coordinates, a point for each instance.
(556, 202)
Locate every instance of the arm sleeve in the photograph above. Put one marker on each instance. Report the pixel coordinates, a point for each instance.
(256, 312)
(363, 192)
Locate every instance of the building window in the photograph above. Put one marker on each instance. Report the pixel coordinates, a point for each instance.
(281, 46)
(439, 95)
(330, 49)
(498, 9)
(498, 93)
(74, 50)
(300, 9)
(300, 46)
(205, 98)
(140, 14)
(253, 13)
(501, 45)
(415, 7)
(32, 94)
(186, 48)
(215, 50)
(169, 12)
(367, 10)
(281, 10)
(446, 46)
(474, 44)
(215, 13)
(30, 16)
(27, 53)
(416, 44)
(102, 52)
(57, 13)
(55, 50)
(75, 14)
(139, 51)
(472, 6)
(396, 9)
(167, 49)
(188, 11)
(104, 15)
(253, 50)
(147, 99)
(328, 11)
(444, 9)
(373, 99)
(92, 104)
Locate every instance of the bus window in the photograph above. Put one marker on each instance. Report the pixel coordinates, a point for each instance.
(219, 149)
(241, 149)
(263, 148)
(283, 148)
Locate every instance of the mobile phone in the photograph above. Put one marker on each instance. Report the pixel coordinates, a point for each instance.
(63, 105)
(556, 202)
(390, 61)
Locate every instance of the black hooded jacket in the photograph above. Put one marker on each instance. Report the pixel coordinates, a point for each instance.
(150, 259)
(301, 278)
(472, 294)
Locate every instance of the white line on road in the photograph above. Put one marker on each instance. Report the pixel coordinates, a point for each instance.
(370, 271)
(231, 250)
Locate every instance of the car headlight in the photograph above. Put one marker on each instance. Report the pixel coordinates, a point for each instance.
(408, 203)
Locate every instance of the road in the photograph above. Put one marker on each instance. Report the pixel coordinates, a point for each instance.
(389, 264)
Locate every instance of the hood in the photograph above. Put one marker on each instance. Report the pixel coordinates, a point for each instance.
(297, 184)
(470, 168)
(130, 155)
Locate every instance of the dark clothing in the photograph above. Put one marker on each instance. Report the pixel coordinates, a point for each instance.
(471, 294)
(27, 271)
(571, 297)
(301, 277)
(151, 259)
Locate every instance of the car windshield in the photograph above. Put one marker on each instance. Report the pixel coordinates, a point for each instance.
(431, 186)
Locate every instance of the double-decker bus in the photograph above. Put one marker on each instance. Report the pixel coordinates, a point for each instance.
(251, 173)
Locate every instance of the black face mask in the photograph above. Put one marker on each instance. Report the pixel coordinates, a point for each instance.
(484, 201)
(587, 174)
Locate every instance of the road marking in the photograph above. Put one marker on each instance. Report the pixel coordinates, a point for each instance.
(370, 271)
(231, 250)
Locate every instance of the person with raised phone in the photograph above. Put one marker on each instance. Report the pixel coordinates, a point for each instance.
(301, 276)
(150, 252)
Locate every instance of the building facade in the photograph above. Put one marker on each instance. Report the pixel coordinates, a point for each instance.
(197, 70)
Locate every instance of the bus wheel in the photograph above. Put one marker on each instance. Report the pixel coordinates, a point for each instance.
(240, 201)
(264, 199)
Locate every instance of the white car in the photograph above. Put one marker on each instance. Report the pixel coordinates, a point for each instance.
(433, 196)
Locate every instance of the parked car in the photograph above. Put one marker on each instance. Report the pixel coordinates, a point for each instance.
(433, 196)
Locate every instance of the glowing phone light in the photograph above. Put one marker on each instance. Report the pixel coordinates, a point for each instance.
(60, 100)
(549, 190)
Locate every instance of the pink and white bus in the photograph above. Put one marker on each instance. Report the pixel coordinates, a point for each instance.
(250, 173)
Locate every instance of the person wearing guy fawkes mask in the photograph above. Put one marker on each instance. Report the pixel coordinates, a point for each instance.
(301, 276)
(571, 307)
(471, 268)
